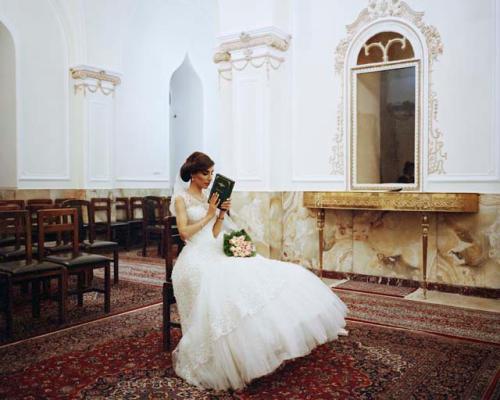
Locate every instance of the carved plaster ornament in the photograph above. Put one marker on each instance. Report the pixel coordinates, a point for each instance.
(238, 54)
(92, 81)
(379, 9)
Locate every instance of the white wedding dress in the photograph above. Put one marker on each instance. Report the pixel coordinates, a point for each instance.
(242, 317)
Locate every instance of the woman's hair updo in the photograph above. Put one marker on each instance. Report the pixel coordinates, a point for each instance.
(196, 162)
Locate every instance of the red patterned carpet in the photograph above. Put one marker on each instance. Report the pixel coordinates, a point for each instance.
(414, 315)
(120, 358)
(125, 296)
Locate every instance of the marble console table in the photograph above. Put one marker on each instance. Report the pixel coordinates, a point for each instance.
(423, 203)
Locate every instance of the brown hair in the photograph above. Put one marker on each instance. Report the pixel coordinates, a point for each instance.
(196, 162)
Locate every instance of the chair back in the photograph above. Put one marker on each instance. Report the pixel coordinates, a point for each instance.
(59, 201)
(101, 209)
(33, 216)
(60, 221)
(16, 223)
(40, 201)
(135, 208)
(122, 206)
(19, 203)
(153, 210)
(85, 213)
(172, 239)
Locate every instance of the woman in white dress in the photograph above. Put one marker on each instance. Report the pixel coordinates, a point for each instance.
(240, 317)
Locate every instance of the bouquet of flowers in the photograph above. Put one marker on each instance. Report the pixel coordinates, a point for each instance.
(238, 244)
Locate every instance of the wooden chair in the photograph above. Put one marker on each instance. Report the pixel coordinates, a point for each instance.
(54, 242)
(61, 200)
(20, 203)
(153, 213)
(88, 243)
(122, 223)
(65, 220)
(40, 201)
(102, 216)
(173, 244)
(135, 221)
(7, 240)
(28, 270)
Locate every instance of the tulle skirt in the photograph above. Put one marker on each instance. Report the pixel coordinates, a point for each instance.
(242, 317)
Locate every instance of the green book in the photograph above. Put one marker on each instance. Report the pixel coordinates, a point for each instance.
(223, 186)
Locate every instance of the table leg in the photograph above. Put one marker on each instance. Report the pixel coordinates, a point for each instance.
(320, 223)
(425, 233)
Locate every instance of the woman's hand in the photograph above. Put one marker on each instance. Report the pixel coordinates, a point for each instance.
(212, 205)
(226, 205)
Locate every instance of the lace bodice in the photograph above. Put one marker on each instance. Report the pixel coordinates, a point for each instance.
(196, 209)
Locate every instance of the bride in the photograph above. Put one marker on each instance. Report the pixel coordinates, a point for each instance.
(240, 317)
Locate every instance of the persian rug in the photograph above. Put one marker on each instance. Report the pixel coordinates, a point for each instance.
(434, 318)
(369, 287)
(125, 296)
(120, 358)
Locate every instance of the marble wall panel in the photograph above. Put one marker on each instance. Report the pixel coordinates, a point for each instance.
(300, 235)
(390, 244)
(251, 211)
(469, 246)
(464, 249)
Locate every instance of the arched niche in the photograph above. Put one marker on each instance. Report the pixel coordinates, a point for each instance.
(8, 110)
(389, 20)
(385, 77)
(186, 115)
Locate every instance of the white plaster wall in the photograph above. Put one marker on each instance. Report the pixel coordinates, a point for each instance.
(8, 135)
(465, 79)
(158, 38)
(42, 93)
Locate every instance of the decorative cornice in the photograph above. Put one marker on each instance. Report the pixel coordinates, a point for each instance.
(247, 41)
(259, 48)
(92, 80)
(100, 76)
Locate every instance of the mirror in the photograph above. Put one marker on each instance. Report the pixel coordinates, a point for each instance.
(385, 129)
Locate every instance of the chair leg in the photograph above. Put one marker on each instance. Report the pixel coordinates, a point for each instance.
(127, 237)
(115, 266)
(46, 286)
(166, 318)
(9, 296)
(35, 298)
(144, 244)
(107, 288)
(80, 287)
(63, 294)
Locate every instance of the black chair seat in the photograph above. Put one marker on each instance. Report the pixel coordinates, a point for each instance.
(53, 247)
(7, 241)
(10, 252)
(135, 222)
(20, 267)
(99, 244)
(119, 224)
(155, 228)
(68, 260)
